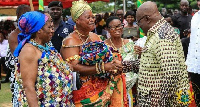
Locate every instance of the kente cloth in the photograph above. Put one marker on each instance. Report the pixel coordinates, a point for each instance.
(29, 23)
(78, 8)
(54, 80)
(127, 54)
(95, 52)
(162, 77)
(97, 90)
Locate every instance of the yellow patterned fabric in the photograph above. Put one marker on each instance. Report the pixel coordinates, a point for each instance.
(163, 79)
(78, 8)
(72, 58)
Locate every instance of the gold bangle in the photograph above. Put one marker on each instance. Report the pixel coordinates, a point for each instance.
(115, 71)
(72, 58)
(102, 67)
(97, 68)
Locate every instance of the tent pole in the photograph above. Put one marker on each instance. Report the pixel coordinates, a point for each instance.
(124, 6)
(115, 6)
(31, 5)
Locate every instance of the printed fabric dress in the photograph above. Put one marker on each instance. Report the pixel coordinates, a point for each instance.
(99, 90)
(54, 81)
(126, 52)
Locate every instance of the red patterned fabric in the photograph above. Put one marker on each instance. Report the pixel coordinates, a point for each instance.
(66, 3)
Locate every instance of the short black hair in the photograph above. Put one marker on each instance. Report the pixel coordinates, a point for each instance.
(110, 19)
(55, 3)
(21, 9)
(3, 33)
(129, 12)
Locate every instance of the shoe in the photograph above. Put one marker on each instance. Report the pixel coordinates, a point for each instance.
(5, 81)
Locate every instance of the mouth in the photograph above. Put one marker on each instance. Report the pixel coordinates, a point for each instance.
(91, 23)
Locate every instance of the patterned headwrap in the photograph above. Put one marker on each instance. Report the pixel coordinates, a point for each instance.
(78, 8)
(29, 23)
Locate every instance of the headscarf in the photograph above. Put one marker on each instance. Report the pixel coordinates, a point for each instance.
(78, 8)
(29, 23)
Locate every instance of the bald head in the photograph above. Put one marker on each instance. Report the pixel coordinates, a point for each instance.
(147, 15)
(184, 1)
(147, 8)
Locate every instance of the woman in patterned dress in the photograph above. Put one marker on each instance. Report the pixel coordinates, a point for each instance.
(44, 79)
(95, 87)
(125, 49)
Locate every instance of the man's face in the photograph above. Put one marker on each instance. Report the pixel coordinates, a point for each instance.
(198, 4)
(141, 21)
(184, 6)
(55, 12)
(120, 14)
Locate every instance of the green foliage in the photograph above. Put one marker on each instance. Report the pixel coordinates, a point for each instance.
(99, 7)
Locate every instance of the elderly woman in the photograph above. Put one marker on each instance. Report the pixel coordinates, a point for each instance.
(44, 79)
(94, 87)
(125, 49)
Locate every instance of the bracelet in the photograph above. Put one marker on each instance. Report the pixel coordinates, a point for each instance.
(103, 69)
(97, 69)
(72, 58)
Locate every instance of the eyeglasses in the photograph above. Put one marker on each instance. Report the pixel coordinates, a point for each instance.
(137, 22)
(116, 27)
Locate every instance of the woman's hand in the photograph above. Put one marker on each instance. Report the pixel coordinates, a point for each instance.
(114, 67)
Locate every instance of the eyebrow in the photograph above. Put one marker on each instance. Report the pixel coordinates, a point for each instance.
(115, 25)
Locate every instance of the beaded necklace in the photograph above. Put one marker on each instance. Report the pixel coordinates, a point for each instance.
(49, 50)
(115, 46)
(40, 47)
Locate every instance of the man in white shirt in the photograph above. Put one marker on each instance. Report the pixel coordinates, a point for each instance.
(193, 57)
(3, 52)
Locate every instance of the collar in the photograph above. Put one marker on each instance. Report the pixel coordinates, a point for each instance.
(199, 12)
(154, 28)
(61, 23)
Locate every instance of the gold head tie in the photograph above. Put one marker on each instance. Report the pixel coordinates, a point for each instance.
(78, 8)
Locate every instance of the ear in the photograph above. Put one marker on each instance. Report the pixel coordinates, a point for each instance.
(148, 19)
(77, 21)
(106, 28)
(39, 31)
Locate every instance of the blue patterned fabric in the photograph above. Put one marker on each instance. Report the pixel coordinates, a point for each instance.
(29, 23)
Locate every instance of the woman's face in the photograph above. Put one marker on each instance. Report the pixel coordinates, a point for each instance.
(87, 20)
(130, 19)
(48, 29)
(115, 28)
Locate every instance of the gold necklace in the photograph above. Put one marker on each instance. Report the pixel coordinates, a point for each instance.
(80, 37)
(80, 33)
(114, 45)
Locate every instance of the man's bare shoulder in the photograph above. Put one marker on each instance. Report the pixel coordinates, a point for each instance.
(12, 37)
